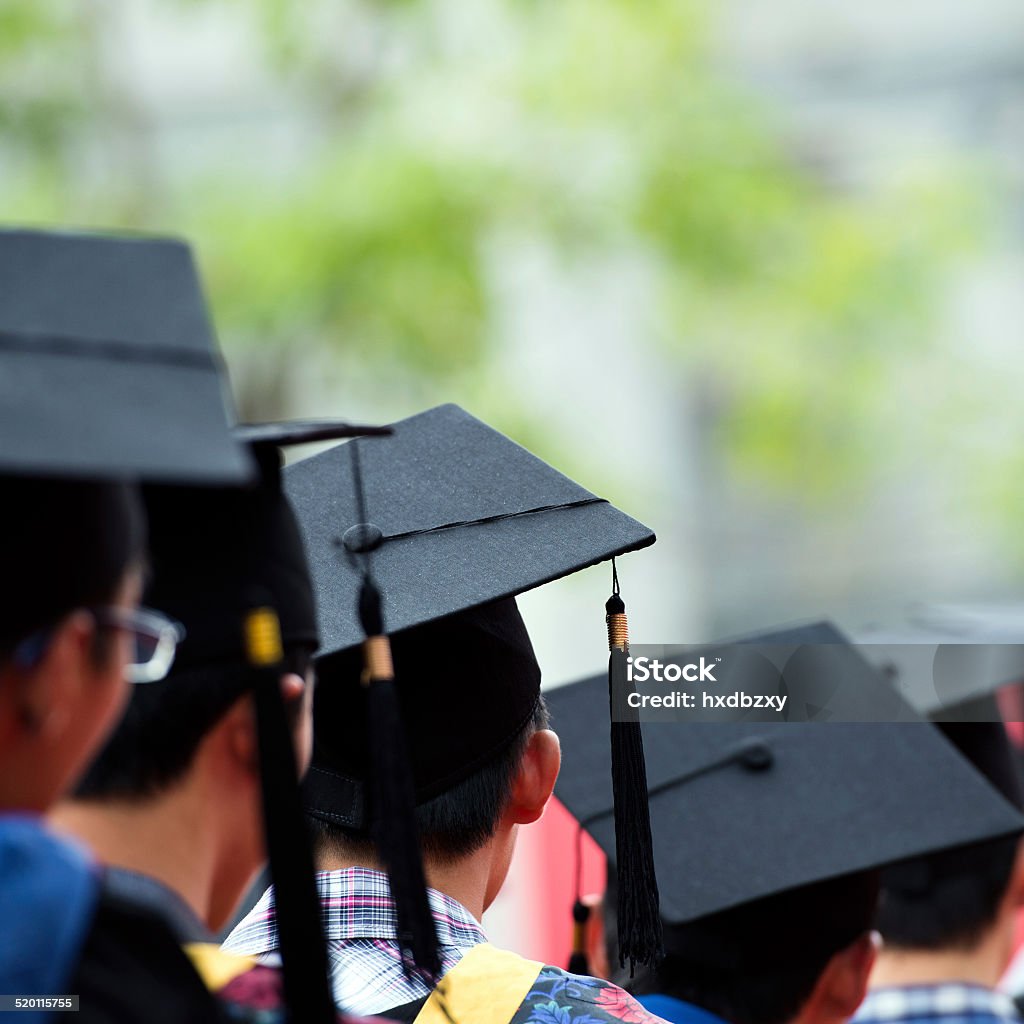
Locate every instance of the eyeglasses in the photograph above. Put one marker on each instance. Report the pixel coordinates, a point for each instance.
(154, 636)
(155, 639)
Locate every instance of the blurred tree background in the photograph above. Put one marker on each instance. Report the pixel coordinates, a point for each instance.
(387, 196)
(751, 271)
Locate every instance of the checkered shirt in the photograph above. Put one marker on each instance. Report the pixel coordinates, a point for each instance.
(359, 922)
(949, 1003)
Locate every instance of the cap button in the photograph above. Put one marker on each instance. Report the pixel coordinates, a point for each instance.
(362, 537)
(756, 758)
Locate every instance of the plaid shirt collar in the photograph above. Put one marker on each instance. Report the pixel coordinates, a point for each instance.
(948, 1000)
(357, 904)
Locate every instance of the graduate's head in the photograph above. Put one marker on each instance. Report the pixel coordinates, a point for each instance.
(769, 835)
(954, 901)
(107, 373)
(167, 726)
(482, 756)
(73, 554)
(187, 749)
(803, 955)
(426, 537)
(957, 900)
(188, 743)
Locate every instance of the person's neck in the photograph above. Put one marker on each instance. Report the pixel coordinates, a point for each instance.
(981, 964)
(465, 880)
(166, 839)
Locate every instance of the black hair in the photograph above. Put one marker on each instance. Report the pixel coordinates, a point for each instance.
(947, 900)
(155, 742)
(759, 963)
(66, 544)
(459, 821)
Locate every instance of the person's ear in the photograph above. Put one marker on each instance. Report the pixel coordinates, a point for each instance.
(293, 686)
(1015, 890)
(535, 778)
(297, 695)
(50, 692)
(842, 986)
(241, 741)
(241, 732)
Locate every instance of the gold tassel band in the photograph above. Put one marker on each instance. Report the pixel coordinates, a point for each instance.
(377, 659)
(263, 637)
(618, 631)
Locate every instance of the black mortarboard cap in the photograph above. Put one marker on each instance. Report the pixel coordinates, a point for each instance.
(107, 362)
(461, 516)
(912, 890)
(441, 669)
(987, 746)
(742, 811)
(948, 674)
(464, 519)
(460, 520)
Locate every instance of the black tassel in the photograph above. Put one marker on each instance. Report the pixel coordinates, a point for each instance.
(639, 919)
(392, 800)
(578, 961)
(304, 968)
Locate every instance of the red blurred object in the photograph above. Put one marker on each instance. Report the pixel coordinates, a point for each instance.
(547, 852)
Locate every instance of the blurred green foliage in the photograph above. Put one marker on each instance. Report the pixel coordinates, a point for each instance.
(433, 128)
(375, 244)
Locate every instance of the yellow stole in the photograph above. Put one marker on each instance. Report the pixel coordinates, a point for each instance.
(487, 986)
(216, 967)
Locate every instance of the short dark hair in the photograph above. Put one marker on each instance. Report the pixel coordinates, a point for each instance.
(459, 821)
(947, 900)
(66, 544)
(156, 741)
(759, 963)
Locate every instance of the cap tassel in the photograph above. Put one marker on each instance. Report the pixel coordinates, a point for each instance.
(393, 801)
(579, 962)
(639, 918)
(305, 975)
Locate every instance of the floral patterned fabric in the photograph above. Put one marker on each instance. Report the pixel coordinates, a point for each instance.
(558, 997)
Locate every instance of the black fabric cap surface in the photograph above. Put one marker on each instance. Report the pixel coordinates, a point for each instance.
(107, 362)
(464, 519)
(826, 800)
(468, 684)
(466, 516)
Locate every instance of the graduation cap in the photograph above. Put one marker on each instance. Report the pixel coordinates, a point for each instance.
(948, 673)
(950, 665)
(229, 564)
(430, 534)
(107, 362)
(987, 746)
(460, 516)
(911, 888)
(743, 811)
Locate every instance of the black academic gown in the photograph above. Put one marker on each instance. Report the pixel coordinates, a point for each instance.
(132, 966)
